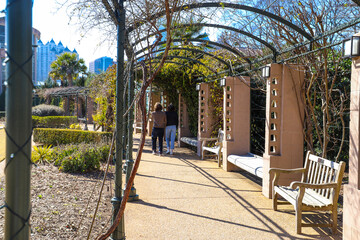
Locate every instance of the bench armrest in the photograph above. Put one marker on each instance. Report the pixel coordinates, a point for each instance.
(278, 171)
(208, 139)
(296, 184)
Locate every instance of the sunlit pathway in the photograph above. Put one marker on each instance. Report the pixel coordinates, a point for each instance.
(184, 197)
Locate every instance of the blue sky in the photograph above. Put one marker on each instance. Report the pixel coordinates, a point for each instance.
(54, 24)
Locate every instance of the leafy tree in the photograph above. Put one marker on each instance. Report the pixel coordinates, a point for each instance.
(67, 68)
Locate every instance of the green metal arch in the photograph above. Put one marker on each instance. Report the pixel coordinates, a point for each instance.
(204, 41)
(187, 49)
(216, 26)
(228, 5)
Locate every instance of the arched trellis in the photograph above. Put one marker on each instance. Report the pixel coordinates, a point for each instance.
(275, 52)
(227, 5)
(188, 49)
(202, 41)
(177, 63)
(190, 59)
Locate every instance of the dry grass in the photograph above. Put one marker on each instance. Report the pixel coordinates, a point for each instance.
(2, 144)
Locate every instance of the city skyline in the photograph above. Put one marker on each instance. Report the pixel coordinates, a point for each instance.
(53, 23)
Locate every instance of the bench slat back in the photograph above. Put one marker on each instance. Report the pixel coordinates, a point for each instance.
(321, 171)
(220, 136)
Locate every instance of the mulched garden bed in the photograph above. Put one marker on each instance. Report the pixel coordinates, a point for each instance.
(63, 204)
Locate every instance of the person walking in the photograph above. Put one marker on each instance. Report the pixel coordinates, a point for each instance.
(159, 119)
(172, 121)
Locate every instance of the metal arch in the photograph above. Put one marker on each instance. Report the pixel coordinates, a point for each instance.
(190, 59)
(216, 26)
(228, 5)
(205, 41)
(188, 49)
(357, 2)
(178, 63)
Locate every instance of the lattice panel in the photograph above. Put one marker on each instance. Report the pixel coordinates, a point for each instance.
(275, 115)
(229, 110)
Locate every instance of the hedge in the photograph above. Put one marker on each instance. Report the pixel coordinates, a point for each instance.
(53, 121)
(55, 136)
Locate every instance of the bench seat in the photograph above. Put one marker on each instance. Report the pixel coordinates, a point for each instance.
(250, 162)
(190, 140)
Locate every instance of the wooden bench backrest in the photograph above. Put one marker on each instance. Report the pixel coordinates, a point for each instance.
(321, 171)
(220, 136)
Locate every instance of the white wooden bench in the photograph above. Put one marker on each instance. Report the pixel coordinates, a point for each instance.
(216, 149)
(137, 127)
(250, 162)
(318, 189)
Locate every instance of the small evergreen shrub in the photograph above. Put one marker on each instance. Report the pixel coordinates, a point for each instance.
(43, 110)
(53, 121)
(75, 126)
(41, 154)
(56, 136)
(81, 157)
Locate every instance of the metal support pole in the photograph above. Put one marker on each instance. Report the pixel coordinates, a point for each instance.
(18, 119)
(130, 162)
(119, 232)
(86, 111)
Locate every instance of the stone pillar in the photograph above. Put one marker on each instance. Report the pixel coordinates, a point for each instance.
(284, 139)
(66, 106)
(236, 119)
(155, 97)
(205, 119)
(90, 110)
(351, 216)
(183, 130)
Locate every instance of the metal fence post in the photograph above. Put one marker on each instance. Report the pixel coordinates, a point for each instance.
(18, 118)
(119, 232)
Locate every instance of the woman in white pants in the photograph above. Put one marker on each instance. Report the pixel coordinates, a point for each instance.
(170, 130)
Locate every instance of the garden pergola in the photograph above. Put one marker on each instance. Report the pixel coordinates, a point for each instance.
(19, 93)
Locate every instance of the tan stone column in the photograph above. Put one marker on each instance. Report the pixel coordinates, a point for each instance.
(205, 119)
(183, 130)
(155, 97)
(90, 110)
(284, 139)
(236, 119)
(351, 217)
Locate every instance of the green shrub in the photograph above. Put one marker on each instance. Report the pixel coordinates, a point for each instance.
(56, 136)
(75, 126)
(53, 121)
(81, 157)
(43, 110)
(42, 154)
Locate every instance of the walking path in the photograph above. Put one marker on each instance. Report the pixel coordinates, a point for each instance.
(184, 197)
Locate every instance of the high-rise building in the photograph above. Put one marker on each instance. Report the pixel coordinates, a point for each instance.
(47, 53)
(35, 38)
(100, 65)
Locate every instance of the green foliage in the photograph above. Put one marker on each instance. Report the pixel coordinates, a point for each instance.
(53, 121)
(102, 90)
(75, 126)
(80, 157)
(41, 154)
(47, 110)
(67, 68)
(68, 136)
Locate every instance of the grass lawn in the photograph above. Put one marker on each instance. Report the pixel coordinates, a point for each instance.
(2, 144)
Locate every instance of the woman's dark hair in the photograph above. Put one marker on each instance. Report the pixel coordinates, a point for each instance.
(158, 107)
(171, 108)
